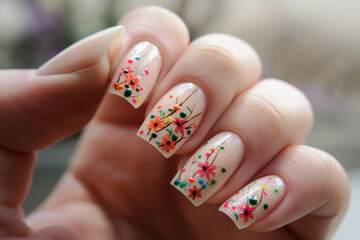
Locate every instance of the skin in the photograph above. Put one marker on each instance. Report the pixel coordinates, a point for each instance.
(117, 185)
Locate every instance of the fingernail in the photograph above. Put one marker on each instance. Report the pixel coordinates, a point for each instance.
(208, 169)
(254, 201)
(81, 54)
(174, 118)
(137, 73)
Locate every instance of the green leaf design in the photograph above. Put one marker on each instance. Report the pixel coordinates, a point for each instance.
(162, 113)
(158, 143)
(236, 216)
(170, 131)
(183, 184)
(189, 109)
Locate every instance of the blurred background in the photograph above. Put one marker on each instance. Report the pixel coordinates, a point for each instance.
(314, 45)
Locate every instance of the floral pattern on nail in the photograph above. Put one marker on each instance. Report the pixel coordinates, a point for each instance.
(169, 126)
(137, 73)
(130, 77)
(209, 167)
(205, 171)
(254, 200)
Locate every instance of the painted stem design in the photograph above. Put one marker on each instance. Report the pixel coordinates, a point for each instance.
(137, 73)
(209, 167)
(248, 205)
(174, 119)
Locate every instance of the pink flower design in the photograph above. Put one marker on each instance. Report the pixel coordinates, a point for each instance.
(247, 212)
(126, 71)
(179, 125)
(206, 169)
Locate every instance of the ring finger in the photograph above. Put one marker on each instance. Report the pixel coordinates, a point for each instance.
(258, 124)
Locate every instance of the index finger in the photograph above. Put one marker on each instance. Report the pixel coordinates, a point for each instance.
(155, 38)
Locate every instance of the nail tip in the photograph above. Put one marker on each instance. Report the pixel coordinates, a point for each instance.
(232, 219)
(159, 150)
(196, 204)
(221, 154)
(135, 106)
(264, 192)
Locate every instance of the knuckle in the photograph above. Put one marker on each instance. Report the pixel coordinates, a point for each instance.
(283, 108)
(215, 59)
(317, 159)
(230, 62)
(273, 115)
(328, 173)
(221, 53)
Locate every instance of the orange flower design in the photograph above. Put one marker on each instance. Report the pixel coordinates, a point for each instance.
(167, 144)
(155, 124)
(133, 82)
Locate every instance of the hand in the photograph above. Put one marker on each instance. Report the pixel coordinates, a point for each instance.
(117, 185)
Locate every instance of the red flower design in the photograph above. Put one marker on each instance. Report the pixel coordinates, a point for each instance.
(133, 82)
(167, 143)
(247, 212)
(179, 125)
(126, 71)
(206, 169)
(194, 192)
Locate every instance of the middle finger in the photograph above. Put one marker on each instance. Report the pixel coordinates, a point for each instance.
(203, 83)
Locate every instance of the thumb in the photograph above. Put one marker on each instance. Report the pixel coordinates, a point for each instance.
(40, 107)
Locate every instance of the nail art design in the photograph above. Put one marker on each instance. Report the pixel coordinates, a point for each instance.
(208, 169)
(253, 201)
(174, 118)
(137, 73)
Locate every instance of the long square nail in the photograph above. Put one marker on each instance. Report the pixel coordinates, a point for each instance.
(209, 167)
(137, 73)
(174, 118)
(254, 201)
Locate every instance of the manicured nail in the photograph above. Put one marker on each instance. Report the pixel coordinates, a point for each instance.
(208, 169)
(137, 73)
(82, 54)
(174, 118)
(254, 201)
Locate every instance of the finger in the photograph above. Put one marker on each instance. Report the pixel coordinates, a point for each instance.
(258, 124)
(40, 107)
(202, 84)
(15, 177)
(294, 186)
(155, 38)
(268, 117)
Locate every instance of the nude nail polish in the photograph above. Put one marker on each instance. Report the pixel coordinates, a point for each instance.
(209, 167)
(174, 118)
(254, 201)
(82, 54)
(137, 73)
